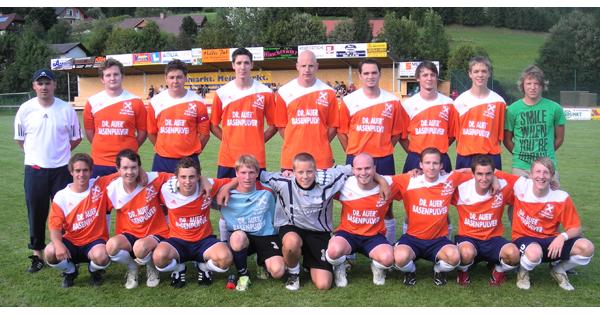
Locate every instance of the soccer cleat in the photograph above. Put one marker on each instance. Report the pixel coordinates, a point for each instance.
(152, 275)
(36, 264)
(463, 278)
(378, 275)
(410, 279)
(563, 280)
(243, 283)
(178, 278)
(293, 282)
(439, 279)
(497, 278)
(96, 277)
(523, 279)
(204, 277)
(69, 278)
(339, 274)
(262, 273)
(132, 278)
(231, 283)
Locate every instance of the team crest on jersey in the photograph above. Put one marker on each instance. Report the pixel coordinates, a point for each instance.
(387, 112)
(259, 102)
(548, 212)
(322, 100)
(127, 109)
(490, 111)
(445, 112)
(498, 201)
(191, 110)
(96, 193)
(448, 188)
(150, 193)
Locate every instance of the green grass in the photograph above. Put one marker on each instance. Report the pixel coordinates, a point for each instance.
(578, 164)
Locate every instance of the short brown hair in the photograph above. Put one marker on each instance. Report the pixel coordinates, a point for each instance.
(482, 160)
(187, 162)
(110, 62)
(430, 150)
(534, 72)
(426, 65)
(80, 157)
(176, 64)
(303, 157)
(247, 160)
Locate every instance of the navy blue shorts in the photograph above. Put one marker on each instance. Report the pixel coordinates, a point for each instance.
(426, 249)
(488, 250)
(362, 244)
(384, 165)
(229, 172)
(414, 159)
(132, 239)
(464, 161)
(192, 250)
(565, 254)
(79, 254)
(165, 164)
(103, 170)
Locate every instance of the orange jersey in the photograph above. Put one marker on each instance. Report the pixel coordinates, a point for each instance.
(429, 123)
(189, 216)
(139, 213)
(81, 216)
(481, 124)
(362, 210)
(306, 114)
(370, 123)
(115, 121)
(426, 204)
(480, 216)
(177, 124)
(540, 217)
(242, 114)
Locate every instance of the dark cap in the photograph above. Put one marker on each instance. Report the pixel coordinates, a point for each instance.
(43, 73)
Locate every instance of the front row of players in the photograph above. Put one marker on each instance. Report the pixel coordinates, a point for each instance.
(300, 223)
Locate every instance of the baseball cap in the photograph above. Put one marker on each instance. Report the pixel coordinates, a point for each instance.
(43, 73)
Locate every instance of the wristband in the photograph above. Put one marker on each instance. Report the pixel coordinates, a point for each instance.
(565, 235)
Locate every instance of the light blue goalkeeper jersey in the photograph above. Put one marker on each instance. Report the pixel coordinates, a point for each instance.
(251, 212)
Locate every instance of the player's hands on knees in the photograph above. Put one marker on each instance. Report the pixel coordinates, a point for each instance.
(555, 248)
(61, 251)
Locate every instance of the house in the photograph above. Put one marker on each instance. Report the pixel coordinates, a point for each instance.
(168, 24)
(10, 22)
(71, 15)
(376, 26)
(69, 50)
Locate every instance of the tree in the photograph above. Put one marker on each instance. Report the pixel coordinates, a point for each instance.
(459, 59)
(95, 13)
(471, 16)
(96, 43)
(44, 16)
(433, 40)
(150, 39)
(121, 41)
(363, 29)
(307, 30)
(218, 34)
(59, 33)
(344, 32)
(401, 34)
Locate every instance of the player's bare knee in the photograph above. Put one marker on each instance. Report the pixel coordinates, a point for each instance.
(322, 284)
(533, 252)
(467, 252)
(275, 267)
(510, 254)
(401, 255)
(583, 247)
(450, 254)
(49, 254)
(222, 258)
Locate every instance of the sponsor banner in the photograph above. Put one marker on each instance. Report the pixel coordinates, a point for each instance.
(320, 51)
(221, 78)
(578, 113)
(140, 59)
(86, 62)
(350, 50)
(61, 64)
(99, 61)
(216, 55)
(155, 57)
(273, 53)
(125, 59)
(407, 69)
(376, 50)
(257, 53)
(596, 114)
(183, 55)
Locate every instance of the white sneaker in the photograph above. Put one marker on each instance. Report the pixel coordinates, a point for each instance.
(378, 275)
(523, 279)
(339, 274)
(152, 275)
(132, 278)
(293, 282)
(562, 279)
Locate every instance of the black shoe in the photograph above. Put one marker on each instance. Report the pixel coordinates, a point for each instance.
(69, 278)
(439, 279)
(96, 278)
(178, 278)
(204, 277)
(36, 264)
(410, 279)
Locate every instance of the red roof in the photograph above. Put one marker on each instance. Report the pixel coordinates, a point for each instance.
(376, 26)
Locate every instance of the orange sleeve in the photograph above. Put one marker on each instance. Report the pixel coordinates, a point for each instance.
(270, 109)
(405, 119)
(202, 121)
(88, 118)
(397, 125)
(510, 178)
(453, 123)
(280, 112)
(103, 181)
(501, 119)
(56, 218)
(344, 119)
(569, 217)
(163, 177)
(401, 182)
(140, 115)
(151, 123)
(334, 109)
(461, 177)
(216, 111)
(217, 184)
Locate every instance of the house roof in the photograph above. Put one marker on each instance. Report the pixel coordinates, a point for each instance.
(66, 47)
(59, 11)
(169, 23)
(376, 26)
(7, 19)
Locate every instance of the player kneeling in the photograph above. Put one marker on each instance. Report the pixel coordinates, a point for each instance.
(191, 236)
(538, 211)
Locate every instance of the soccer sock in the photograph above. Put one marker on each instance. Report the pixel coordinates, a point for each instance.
(404, 227)
(296, 269)
(241, 262)
(351, 257)
(390, 230)
(94, 267)
(123, 257)
(335, 262)
(169, 267)
(223, 230)
(528, 264)
(64, 265)
(442, 266)
(380, 266)
(462, 267)
(410, 267)
(108, 222)
(503, 267)
(572, 262)
(210, 264)
(144, 260)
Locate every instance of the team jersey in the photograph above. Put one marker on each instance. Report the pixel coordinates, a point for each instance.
(309, 209)
(363, 211)
(139, 213)
(370, 123)
(251, 212)
(306, 113)
(115, 121)
(189, 216)
(480, 216)
(426, 204)
(481, 123)
(81, 216)
(241, 114)
(177, 124)
(429, 123)
(540, 216)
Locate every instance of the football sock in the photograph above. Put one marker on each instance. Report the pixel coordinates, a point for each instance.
(462, 267)
(336, 262)
(390, 230)
(240, 259)
(572, 262)
(296, 269)
(442, 266)
(380, 266)
(210, 264)
(64, 265)
(123, 257)
(503, 267)
(410, 267)
(223, 230)
(528, 264)
(94, 267)
(404, 227)
(169, 267)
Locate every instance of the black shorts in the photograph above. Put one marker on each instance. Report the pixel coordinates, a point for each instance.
(79, 254)
(314, 245)
(265, 247)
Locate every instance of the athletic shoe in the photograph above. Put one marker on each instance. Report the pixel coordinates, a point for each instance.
(36, 264)
(132, 278)
(152, 275)
(378, 275)
(463, 278)
(563, 280)
(96, 277)
(439, 279)
(339, 274)
(178, 278)
(69, 278)
(231, 283)
(243, 283)
(410, 279)
(523, 279)
(572, 272)
(293, 282)
(497, 278)
(204, 276)
(262, 273)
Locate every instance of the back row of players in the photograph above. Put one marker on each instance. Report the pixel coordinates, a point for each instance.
(368, 124)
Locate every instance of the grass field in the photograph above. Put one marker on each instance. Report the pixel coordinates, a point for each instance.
(578, 164)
